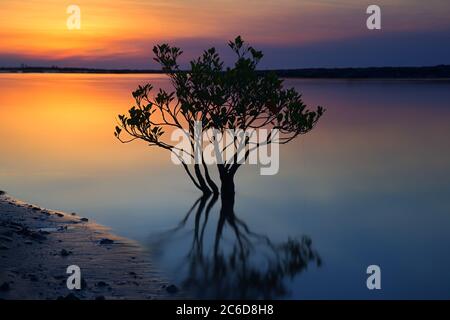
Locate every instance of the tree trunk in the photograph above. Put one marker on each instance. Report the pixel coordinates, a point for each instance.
(201, 181)
(227, 189)
(212, 185)
(227, 194)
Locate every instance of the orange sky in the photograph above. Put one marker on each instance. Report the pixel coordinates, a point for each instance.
(36, 29)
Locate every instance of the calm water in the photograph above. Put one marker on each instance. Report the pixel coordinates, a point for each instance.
(370, 185)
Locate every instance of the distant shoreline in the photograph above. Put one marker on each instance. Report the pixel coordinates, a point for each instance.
(440, 72)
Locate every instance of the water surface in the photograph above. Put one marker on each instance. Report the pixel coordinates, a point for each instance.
(370, 185)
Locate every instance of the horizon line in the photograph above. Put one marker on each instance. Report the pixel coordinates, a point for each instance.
(388, 72)
(26, 67)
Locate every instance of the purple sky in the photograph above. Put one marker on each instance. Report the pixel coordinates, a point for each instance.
(292, 33)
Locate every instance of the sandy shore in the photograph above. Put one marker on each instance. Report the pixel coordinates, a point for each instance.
(37, 245)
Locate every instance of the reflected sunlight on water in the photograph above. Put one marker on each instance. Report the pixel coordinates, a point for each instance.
(369, 185)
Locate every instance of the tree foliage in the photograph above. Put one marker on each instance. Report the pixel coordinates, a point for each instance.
(221, 98)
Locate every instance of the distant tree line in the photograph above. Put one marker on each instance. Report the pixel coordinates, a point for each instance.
(433, 72)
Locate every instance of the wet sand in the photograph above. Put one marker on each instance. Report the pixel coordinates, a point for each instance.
(37, 245)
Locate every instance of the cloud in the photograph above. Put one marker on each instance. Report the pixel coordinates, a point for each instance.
(293, 33)
(391, 49)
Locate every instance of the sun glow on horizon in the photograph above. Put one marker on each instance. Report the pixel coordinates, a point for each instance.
(127, 29)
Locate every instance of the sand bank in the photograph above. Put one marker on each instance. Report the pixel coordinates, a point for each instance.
(37, 245)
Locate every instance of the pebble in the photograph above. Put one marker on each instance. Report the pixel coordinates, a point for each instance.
(172, 289)
(65, 253)
(106, 241)
(33, 277)
(5, 287)
(70, 296)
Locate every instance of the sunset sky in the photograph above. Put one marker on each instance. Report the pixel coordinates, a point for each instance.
(292, 33)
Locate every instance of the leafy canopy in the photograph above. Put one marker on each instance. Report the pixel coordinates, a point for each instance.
(239, 97)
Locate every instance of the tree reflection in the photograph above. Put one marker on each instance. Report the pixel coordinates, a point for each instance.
(240, 264)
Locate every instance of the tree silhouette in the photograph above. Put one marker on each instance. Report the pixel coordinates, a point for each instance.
(238, 98)
(248, 265)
